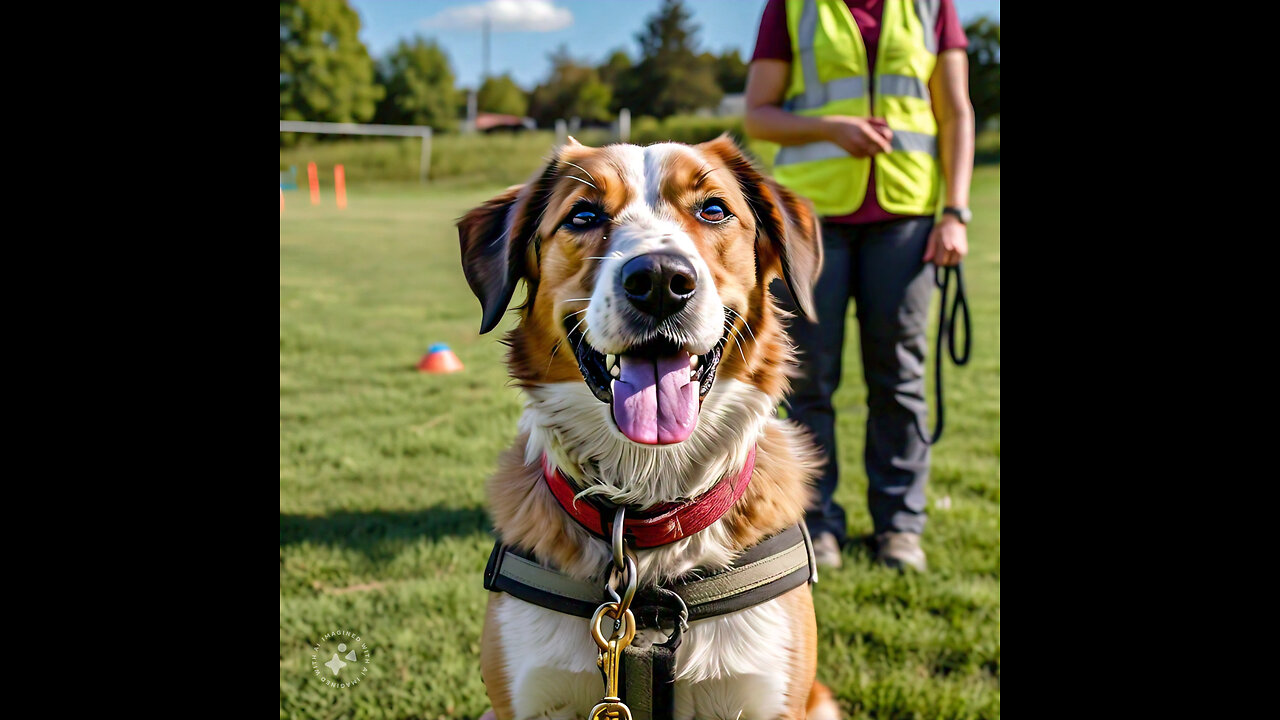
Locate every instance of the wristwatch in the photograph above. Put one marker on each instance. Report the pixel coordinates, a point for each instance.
(964, 215)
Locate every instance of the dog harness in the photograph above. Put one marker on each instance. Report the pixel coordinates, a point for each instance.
(645, 678)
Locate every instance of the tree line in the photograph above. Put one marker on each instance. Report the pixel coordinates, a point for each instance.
(327, 74)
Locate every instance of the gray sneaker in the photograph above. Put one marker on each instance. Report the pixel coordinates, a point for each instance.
(826, 550)
(896, 549)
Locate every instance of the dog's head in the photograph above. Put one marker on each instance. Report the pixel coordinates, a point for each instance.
(647, 272)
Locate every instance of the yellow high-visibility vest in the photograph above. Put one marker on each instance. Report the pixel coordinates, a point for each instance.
(830, 76)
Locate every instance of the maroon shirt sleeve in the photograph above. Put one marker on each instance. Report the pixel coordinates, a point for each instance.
(950, 31)
(773, 42)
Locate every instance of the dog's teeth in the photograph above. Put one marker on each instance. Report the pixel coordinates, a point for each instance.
(610, 361)
(615, 371)
(693, 362)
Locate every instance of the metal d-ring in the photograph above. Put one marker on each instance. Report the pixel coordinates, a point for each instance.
(619, 520)
(683, 616)
(624, 603)
(624, 562)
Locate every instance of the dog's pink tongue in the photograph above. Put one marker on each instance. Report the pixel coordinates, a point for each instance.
(655, 402)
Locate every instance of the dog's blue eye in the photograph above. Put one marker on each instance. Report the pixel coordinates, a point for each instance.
(583, 219)
(713, 212)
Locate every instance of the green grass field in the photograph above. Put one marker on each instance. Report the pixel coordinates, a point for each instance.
(383, 529)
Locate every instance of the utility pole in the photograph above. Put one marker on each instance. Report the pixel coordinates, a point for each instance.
(470, 125)
(485, 37)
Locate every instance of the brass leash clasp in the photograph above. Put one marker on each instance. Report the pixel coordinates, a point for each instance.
(622, 575)
(611, 706)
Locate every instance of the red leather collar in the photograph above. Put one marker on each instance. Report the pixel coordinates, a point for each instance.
(660, 525)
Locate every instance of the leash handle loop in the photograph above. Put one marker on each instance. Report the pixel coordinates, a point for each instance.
(947, 334)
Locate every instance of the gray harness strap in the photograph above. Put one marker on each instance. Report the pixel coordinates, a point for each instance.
(762, 573)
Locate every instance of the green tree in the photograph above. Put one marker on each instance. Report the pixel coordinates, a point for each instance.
(326, 73)
(731, 72)
(501, 94)
(984, 68)
(419, 86)
(573, 89)
(670, 77)
(618, 73)
(613, 68)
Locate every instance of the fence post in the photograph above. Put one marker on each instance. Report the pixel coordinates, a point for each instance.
(561, 132)
(624, 125)
(424, 163)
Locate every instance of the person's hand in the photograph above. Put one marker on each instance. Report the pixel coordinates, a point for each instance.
(860, 137)
(948, 243)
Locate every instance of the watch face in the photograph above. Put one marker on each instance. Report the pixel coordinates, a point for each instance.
(964, 214)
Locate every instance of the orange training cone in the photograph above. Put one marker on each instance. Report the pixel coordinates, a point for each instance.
(439, 359)
(315, 183)
(281, 201)
(340, 186)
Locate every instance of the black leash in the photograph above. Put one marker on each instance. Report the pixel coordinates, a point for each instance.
(947, 331)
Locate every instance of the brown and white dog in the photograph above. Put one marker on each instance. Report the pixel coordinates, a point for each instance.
(653, 357)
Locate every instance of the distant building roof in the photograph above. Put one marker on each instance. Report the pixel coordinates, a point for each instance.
(485, 121)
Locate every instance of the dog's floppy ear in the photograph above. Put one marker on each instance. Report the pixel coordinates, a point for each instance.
(788, 228)
(494, 239)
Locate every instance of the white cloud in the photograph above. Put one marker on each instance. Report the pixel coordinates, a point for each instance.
(504, 16)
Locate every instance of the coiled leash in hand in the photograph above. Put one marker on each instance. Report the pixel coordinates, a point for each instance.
(947, 331)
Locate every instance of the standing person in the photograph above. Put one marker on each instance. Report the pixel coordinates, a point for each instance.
(869, 100)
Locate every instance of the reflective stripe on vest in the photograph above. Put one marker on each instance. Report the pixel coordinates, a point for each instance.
(903, 85)
(822, 93)
(855, 87)
(927, 11)
(901, 140)
(907, 186)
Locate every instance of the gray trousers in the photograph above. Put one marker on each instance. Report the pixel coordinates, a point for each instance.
(879, 267)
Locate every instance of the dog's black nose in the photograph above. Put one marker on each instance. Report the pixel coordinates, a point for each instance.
(659, 284)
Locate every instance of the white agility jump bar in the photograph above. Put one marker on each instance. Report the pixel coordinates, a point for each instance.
(422, 131)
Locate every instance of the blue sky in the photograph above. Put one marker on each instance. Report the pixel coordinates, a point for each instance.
(592, 29)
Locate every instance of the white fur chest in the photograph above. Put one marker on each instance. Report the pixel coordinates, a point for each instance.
(728, 667)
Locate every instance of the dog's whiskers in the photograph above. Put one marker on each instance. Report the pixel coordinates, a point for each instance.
(556, 347)
(732, 336)
(593, 177)
(584, 335)
(703, 176)
(552, 358)
(745, 324)
(584, 182)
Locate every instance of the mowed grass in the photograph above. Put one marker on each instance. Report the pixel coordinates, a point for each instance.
(383, 529)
